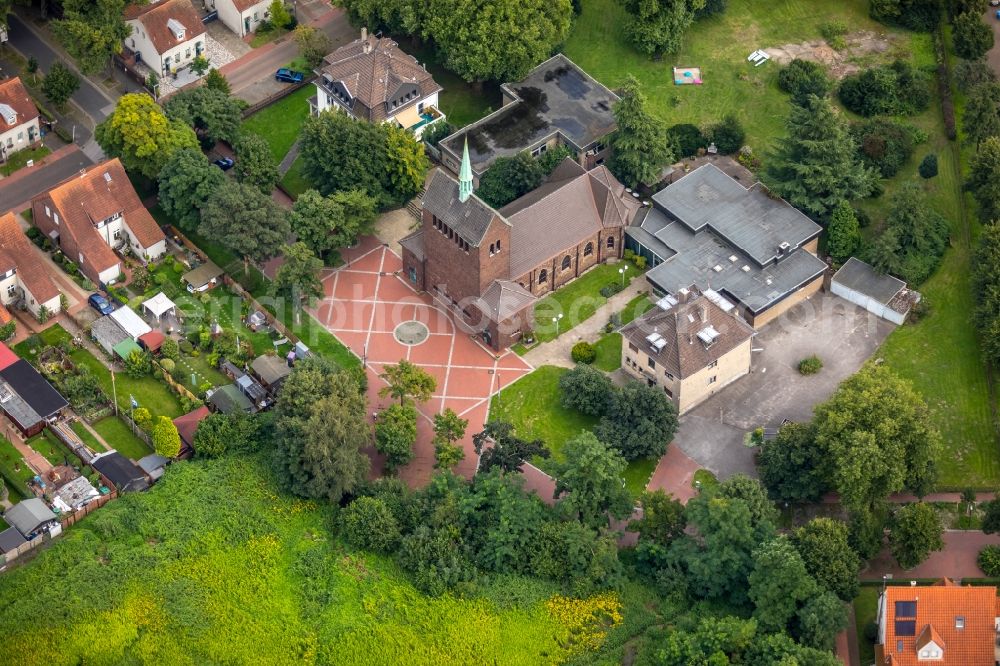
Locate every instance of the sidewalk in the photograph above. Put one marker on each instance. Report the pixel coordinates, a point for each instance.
(956, 560)
(557, 352)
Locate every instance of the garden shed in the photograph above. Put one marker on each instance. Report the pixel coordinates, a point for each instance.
(203, 277)
(124, 474)
(151, 341)
(30, 517)
(270, 370)
(880, 294)
(126, 347)
(130, 322)
(159, 305)
(107, 333)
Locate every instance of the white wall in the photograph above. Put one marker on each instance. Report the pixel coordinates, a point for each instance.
(17, 137)
(236, 21)
(868, 303)
(109, 275)
(180, 55)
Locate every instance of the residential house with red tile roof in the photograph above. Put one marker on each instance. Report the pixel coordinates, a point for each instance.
(241, 16)
(166, 34)
(95, 214)
(18, 118)
(187, 426)
(944, 624)
(25, 278)
(492, 265)
(372, 79)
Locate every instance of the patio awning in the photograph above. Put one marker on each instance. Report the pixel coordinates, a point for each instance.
(408, 117)
(158, 305)
(126, 347)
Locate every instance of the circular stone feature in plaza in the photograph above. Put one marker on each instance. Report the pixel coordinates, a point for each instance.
(411, 332)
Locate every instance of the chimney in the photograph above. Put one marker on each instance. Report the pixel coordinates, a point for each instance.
(366, 47)
(364, 34)
(703, 313)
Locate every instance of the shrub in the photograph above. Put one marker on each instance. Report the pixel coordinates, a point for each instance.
(802, 78)
(583, 352)
(989, 561)
(185, 346)
(947, 103)
(7, 330)
(609, 290)
(167, 364)
(170, 349)
(972, 73)
(433, 134)
(884, 143)
(687, 139)
(586, 389)
(810, 365)
(833, 32)
(727, 135)
(928, 166)
(369, 523)
(896, 89)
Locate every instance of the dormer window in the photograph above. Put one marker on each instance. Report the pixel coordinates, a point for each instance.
(177, 28)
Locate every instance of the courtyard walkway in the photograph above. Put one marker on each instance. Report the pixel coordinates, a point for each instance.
(956, 560)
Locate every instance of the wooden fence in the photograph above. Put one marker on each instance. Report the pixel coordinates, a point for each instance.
(271, 99)
(72, 518)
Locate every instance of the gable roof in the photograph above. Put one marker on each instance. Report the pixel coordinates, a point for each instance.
(28, 515)
(119, 470)
(187, 424)
(563, 212)
(470, 219)
(914, 616)
(10, 539)
(14, 95)
(243, 5)
(7, 357)
(202, 275)
(17, 251)
(130, 321)
(682, 327)
(157, 18)
(228, 399)
(504, 299)
(34, 389)
(270, 369)
(372, 70)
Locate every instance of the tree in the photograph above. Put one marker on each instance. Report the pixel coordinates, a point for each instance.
(640, 142)
(991, 516)
(572, 553)
(325, 223)
(916, 531)
(92, 31)
(896, 89)
(313, 44)
(822, 543)
(406, 163)
(929, 165)
(166, 440)
(369, 523)
(972, 73)
(138, 364)
(279, 15)
(497, 446)
(972, 37)
(639, 423)
(914, 239)
(727, 135)
(981, 119)
(213, 114)
(297, 278)
(589, 483)
(320, 432)
(586, 389)
(802, 79)
(395, 434)
(922, 15)
(468, 40)
(878, 435)
(407, 381)
(142, 418)
(662, 518)
(141, 135)
(449, 428)
(843, 232)
(753, 494)
(984, 179)
(60, 84)
(816, 166)
(32, 66)
(686, 139)
(820, 619)
(245, 221)
(186, 182)
(659, 26)
(509, 178)
(885, 144)
(986, 283)
(254, 164)
(220, 433)
(711, 640)
(791, 466)
(779, 583)
(216, 80)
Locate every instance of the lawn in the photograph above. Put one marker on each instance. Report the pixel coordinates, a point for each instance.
(635, 308)
(87, 438)
(20, 159)
(262, 37)
(281, 122)
(865, 609)
(719, 46)
(533, 406)
(47, 444)
(117, 434)
(10, 458)
(578, 300)
(609, 352)
(294, 182)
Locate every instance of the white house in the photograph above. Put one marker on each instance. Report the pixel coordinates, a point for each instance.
(166, 34)
(371, 79)
(18, 118)
(241, 16)
(24, 278)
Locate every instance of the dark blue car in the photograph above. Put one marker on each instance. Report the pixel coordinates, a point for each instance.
(288, 75)
(224, 163)
(101, 304)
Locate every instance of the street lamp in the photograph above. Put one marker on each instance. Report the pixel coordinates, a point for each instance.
(621, 271)
(555, 320)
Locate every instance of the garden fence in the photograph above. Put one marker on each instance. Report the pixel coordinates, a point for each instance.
(271, 99)
(71, 518)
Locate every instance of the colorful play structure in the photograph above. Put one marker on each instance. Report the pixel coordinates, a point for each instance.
(687, 76)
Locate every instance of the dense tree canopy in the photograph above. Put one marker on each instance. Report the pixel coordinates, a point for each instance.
(658, 26)
(896, 89)
(511, 177)
(297, 279)
(843, 232)
(640, 421)
(219, 433)
(255, 166)
(884, 143)
(586, 389)
(983, 179)
(406, 381)
(335, 221)
(981, 119)
(779, 584)
(972, 37)
(139, 133)
(922, 15)
(499, 447)
(822, 543)
(92, 31)
(214, 115)
(803, 79)
(986, 280)
(186, 182)
(791, 466)
(589, 481)
(641, 148)
(395, 435)
(247, 222)
(914, 239)
(60, 84)
(916, 531)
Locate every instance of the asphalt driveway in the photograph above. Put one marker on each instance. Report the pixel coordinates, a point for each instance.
(843, 335)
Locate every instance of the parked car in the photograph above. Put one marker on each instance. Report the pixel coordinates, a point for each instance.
(101, 304)
(224, 163)
(288, 75)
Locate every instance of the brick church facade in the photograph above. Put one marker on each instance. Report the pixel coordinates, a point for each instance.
(491, 266)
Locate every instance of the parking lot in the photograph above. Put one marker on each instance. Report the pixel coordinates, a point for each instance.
(841, 334)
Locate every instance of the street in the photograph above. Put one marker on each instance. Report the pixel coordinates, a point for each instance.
(17, 190)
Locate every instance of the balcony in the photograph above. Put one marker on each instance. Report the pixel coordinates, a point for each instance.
(416, 121)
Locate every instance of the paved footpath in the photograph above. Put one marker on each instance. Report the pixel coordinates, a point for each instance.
(956, 560)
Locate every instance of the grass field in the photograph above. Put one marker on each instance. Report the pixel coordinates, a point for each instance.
(117, 434)
(280, 123)
(20, 159)
(533, 405)
(294, 182)
(47, 444)
(609, 352)
(578, 300)
(13, 468)
(87, 438)
(865, 609)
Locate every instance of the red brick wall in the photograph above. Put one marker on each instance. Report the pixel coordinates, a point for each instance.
(410, 260)
(579, 263)
(464, 274)
(66, 242)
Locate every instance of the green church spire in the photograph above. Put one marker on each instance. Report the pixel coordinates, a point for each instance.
(465, 175)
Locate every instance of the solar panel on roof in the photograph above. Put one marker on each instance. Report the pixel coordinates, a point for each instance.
(906, 609)
(906, 627)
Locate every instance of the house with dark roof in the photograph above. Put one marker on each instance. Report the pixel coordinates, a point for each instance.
(25, 279)
(491, 266)
(18, 118)
(229, 398)
(690, 349)
(11, 540)
(372, 79)
(944, 623)
(124, 474)
(708, 231)
(27, 398)
(241, 16)
(166, 34)
(96, 214)
(557, 104)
